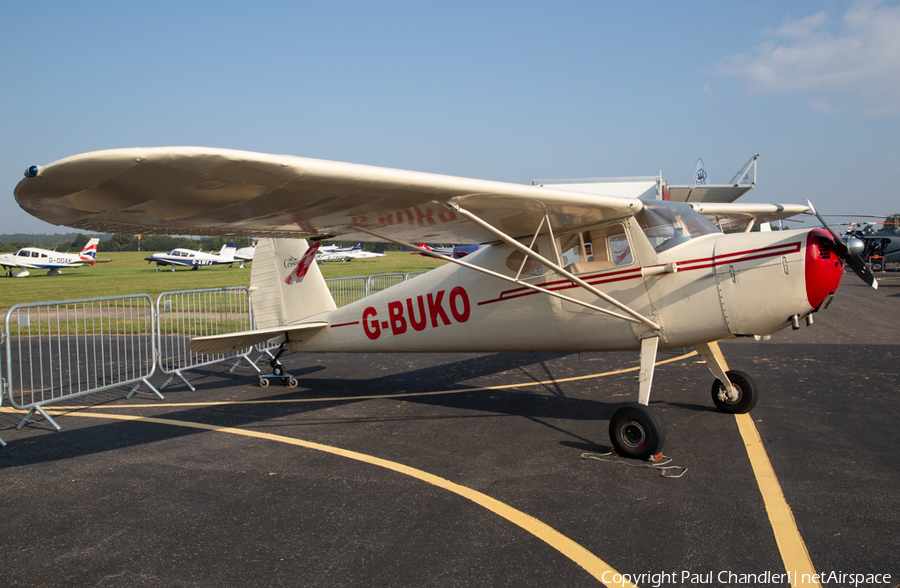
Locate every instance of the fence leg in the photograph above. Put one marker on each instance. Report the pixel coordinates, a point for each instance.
(238, 362)
(43, 412)
(149, 385)
(183, 379)
(166, 383)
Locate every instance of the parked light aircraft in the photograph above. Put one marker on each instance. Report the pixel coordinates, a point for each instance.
(244, 255)
(881, 248)
(36, 258)
(659, 274)
(355, 252)
(456, 251)
(194, 259)
(429, 249)
(336, 248)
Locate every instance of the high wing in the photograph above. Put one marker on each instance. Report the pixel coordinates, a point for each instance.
(736, 216)
(205, 191)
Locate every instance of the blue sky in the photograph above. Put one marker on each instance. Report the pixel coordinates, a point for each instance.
(509, 91)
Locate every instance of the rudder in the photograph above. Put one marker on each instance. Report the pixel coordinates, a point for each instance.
(275, 302)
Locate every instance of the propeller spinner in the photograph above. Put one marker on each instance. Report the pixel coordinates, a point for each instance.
(851, 256)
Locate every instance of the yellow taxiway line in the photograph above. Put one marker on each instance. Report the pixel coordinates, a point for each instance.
(790, 544)
(793, 550)
(578, 554)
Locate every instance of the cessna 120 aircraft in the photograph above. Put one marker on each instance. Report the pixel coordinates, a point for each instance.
(659, 274)
(36, 258)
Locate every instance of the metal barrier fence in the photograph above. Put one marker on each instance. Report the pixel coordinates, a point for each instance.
(378, 282)
(346, 290)
(185, 314)
(63, 349)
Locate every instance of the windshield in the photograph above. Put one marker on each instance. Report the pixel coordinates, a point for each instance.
(667, 224)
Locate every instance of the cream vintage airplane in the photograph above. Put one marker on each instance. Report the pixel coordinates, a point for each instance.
(640, 275)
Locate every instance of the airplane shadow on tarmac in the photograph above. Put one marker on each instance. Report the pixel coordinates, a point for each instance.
(496, 369)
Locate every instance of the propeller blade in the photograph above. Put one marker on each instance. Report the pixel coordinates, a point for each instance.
(862, 270)
(855, 262)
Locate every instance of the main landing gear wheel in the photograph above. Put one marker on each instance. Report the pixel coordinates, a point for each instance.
(747, 393)
(637, 432)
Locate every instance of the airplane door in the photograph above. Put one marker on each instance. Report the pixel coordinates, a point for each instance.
(606, 259)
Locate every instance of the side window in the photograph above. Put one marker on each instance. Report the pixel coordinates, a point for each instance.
(531, 266)
(598, 249)
(619, 249)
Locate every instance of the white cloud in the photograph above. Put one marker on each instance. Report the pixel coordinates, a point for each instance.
(853, 63)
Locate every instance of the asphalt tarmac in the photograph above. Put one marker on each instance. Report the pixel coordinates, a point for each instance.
(474, 470)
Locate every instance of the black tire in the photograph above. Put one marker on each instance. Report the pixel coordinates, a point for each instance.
(278, 369)
(637, 432)
(748, 393)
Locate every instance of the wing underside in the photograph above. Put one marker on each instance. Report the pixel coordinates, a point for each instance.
(737, 216)
(200, 191)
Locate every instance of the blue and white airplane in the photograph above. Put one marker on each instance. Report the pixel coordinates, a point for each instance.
(45, 259)
(194, 259)
(355, 252)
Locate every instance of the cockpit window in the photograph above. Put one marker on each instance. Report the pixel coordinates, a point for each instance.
(667, 224)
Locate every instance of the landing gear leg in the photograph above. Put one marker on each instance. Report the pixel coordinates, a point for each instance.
(635, 429)
(733, 391)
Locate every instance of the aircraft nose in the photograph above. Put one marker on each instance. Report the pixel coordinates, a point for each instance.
(824, 269)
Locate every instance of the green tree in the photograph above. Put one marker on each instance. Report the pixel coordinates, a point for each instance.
(892, 221)
(79, 242)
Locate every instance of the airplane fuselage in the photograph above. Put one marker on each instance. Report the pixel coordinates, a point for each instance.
(706, 289)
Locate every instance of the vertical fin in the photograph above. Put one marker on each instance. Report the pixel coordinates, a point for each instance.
(276, 302)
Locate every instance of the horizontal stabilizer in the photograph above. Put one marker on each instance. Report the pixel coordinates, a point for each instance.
(230, 342)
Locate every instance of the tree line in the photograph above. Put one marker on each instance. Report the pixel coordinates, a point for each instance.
(125, 242)
(117, 242)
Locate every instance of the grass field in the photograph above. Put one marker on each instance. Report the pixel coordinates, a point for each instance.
(128, 273)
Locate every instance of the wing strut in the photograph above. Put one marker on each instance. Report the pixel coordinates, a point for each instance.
(496, 275)
(636, 316)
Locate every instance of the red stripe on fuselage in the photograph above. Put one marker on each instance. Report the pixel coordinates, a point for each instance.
(633, 273)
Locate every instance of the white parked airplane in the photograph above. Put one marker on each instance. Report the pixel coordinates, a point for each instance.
(194, 259)
(244, 255)
(355, 252)
(336, 248)
(659, 274)
(36, 258)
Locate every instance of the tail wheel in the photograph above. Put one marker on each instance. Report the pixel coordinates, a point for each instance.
(746, 393)
(637, 432)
